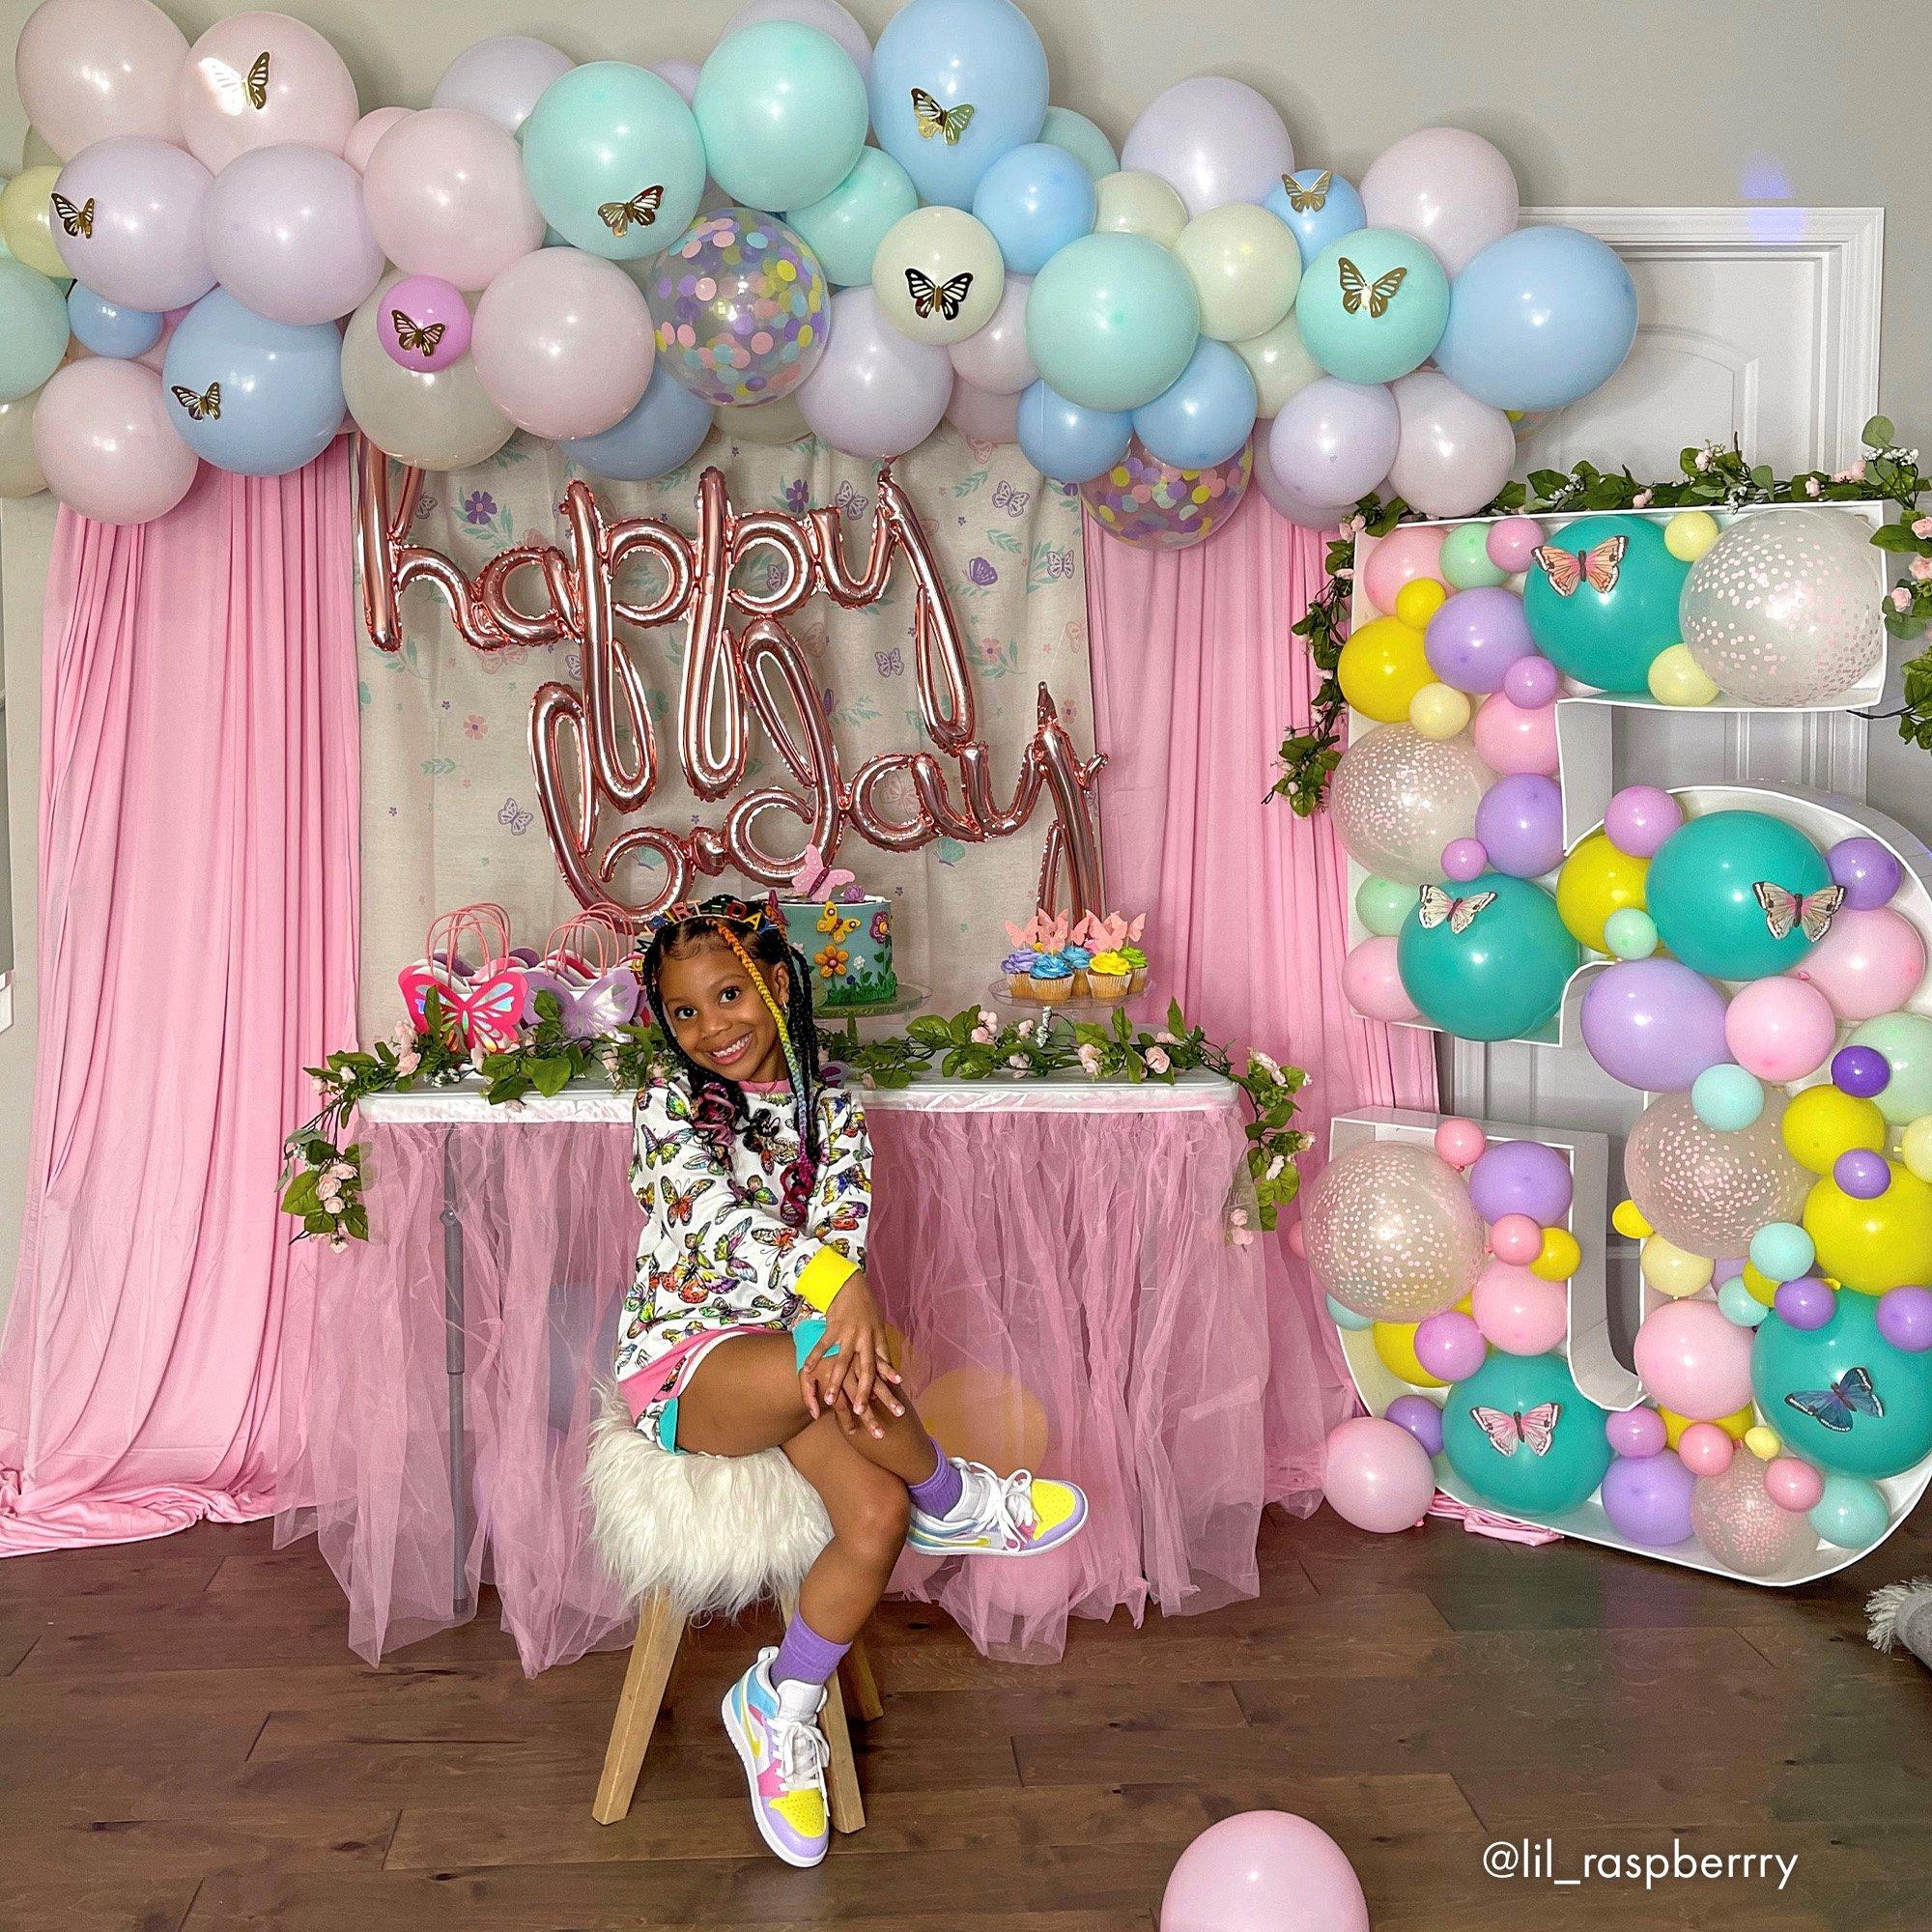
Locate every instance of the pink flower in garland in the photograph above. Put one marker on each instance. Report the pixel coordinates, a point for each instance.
(1921, 568)
(1921, 527)
(1158, 1059)
(1901, 598)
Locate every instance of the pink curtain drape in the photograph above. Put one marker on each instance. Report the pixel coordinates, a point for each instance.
(1197, 678)
(197, 947)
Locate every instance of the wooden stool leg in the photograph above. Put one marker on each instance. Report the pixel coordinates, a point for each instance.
(841, 1775)
(862, 1685)
(660, 1631)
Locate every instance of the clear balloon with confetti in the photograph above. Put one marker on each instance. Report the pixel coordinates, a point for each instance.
(1153, 505)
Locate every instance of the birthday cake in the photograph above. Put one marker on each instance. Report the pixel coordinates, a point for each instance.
(845, 935)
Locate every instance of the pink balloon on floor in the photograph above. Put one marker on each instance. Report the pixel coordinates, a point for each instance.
(1372, 985)
(1377, 1475)
(1869, 962)
(1518, 1312)
(1409, 551)
(1263, 1871)
(1512, 740)
(1780, 1029)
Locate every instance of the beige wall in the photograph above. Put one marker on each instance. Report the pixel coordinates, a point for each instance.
(1635, 101)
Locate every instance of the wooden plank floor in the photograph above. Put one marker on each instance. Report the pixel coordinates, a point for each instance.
(185, 1742)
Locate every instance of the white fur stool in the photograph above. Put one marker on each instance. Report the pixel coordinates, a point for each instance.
(691, 1536)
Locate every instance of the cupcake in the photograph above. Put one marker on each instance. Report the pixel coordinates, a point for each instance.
(1108, 976)
(1079, 958)
(1018, 967)
(1052, 979)
(1138, 960)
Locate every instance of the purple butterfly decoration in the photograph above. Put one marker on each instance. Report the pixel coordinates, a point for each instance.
(1013, 501)
(892, 663)
(599, 1007)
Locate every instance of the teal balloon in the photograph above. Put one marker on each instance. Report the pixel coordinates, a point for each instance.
(1081, 139)
(1502, 976)
(1608, 638)
(783, 111)
(1382, 906)
(1820, 1366)
(1851, 1514)
(1701, 892)
(602, 135)
(1465, 563)
(1347, 1318)
(1726, 1097)
(1111, 320)
(1737, 1303)
(33, 329)
(844, 228)
(1521, 1481)
(1906, 1041)
(1371, 305)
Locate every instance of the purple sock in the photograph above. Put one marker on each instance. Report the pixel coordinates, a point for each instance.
(939, 1494)
(805, 1657)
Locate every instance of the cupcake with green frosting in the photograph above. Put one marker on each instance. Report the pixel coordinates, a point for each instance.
(1138, 960)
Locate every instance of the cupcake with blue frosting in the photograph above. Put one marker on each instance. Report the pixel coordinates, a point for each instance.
(1052, 979)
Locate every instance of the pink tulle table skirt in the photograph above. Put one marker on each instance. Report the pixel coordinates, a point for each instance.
(1061, 1273)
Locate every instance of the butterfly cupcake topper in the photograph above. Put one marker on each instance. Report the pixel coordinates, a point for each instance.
(1308, 197)
(1357, 289)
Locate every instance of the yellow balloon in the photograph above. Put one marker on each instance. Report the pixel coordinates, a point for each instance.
(1877, 1244)
(26, 221)
(1245, 267)
(1560, 1257)
(1419, 598)
(1822, 1123)
(1763, 1444)
(1596, 881)
(1677, 678)
(1689, 533)
(1137, 202)
(1395, 1344)
(1673, 1270)
(1915, 1146)
(1759, 1286)
(1438, 710)
(1737, 1426)
(1381, 668)
(1629, 1219)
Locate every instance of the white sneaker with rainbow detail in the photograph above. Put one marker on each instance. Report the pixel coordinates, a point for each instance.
(1021, 1515)
(785, 1756)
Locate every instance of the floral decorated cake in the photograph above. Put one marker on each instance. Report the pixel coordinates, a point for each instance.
(847, 936)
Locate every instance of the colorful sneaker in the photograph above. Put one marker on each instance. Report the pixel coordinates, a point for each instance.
(785, 1756)
(1021, 1515)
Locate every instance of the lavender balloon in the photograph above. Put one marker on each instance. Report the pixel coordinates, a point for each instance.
(1450, 1346)
(1647, 1499)
(1636, 1431)
(1654, 1024)
(1530, 683)
(1521, 823)
(1521, 1177)
(1869, 871)
(1476, 636)
(1805, 1303)
(1862, 1174)
(1904, 1319)
(1423, 1420)
(1640, 818)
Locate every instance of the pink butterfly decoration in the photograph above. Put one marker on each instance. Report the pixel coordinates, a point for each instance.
(817, 879)
(1506, 1428)
(485, 1010)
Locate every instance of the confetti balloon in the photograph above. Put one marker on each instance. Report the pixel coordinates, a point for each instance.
(741, 307)
(1391, 1232)
(1705, 1189)
(1398, 798)
(1783, 609)
(1744, 1527)
(1154, 506)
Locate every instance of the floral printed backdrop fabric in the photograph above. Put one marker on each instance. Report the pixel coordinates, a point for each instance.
(448, 799)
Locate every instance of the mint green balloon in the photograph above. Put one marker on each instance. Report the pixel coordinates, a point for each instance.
(1085, 142)
(1906, 1041)
(1465, 563)
(1111, 320)
(844, 228)
(783, 111)
(33, 329)
(1372, 305)
(1382, 906)
(610, 136)
(1851, 1514)
(1631, 933)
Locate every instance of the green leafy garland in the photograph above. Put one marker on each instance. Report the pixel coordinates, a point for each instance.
(1713, 478)
(323, 1180)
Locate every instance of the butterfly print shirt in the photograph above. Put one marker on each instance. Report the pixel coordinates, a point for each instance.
(715, 1253)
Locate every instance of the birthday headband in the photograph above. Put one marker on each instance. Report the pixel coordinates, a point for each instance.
(721, 910)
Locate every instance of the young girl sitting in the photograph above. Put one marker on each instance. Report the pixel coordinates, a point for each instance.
(751, 1325)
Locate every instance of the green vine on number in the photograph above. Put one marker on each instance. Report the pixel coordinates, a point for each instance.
(1715, 478)
(323, 1180)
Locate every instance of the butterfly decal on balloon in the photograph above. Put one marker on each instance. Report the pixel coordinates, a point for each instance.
(417, 338)
(1534, 1429)
(1568, 571)
(640, 211)
(935, 122)
(235, 91)
(203, 407)
(948, 298)
(74, 221)
(1357, 289)
(1312, 197)
(1833, 1409)
(1812, 913)
(1440, 908)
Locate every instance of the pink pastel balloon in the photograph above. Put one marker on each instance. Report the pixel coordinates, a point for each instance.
(1705, 1450)
(1869, 962)
(423, 302)
(1374, 1481)
(1513, 542)
(1780, 1029)
(1694, 1359)
(1447, 186)
(287, 237)
(1515, 1239)
(1518, 1312)
(145, 249)
(1372, 985)
(1300, 510)
(1790, 1484)
(104, 442)
(1455, 453)
(562, 343)
(367, 131)
(1263, 1871)
(1510, 739)
(447, 196)
(995, 359)
(1449, 1345)
(1297, 1240)
(1410, 550)
(981, 414)
(303, 89)
(88, 69)
(874, 392)
(1636, 1431)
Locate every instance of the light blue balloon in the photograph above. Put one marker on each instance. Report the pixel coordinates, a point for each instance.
(1112, 320)
(782, 110)
(33, 329)
(666, 428)
(1726, 1097)
(1314, 228)
(107, 327)
(602, 136)
(281, 386)
(1036, 198)
(1371, 305)
(1851, 1514)
(1538, 320)
(1081, 139)
(1737, 1303)
(1067, 443)
(1782, 1251)
(1205, 415)
(1347, 1318)
(982, 64)
(844, 228)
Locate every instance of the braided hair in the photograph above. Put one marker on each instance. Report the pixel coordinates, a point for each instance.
(717, 1106)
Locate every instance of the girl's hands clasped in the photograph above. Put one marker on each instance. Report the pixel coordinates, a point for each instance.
(848, 1382)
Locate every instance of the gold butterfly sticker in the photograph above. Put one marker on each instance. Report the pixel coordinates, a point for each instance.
(235, 91)
(75, 220)
(420, 337)
(1311, 199)
(257, 82)
(948, 298)
(641, 209)
(931, 119)
(197, 407)
(1379, 292)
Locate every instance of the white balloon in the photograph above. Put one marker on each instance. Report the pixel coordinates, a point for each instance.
(1455, 453)
(1451, 188)
(874, 392)
(1334, 443)
(995, 359)
(500, 79)
(938, 275)
(1213, 139)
